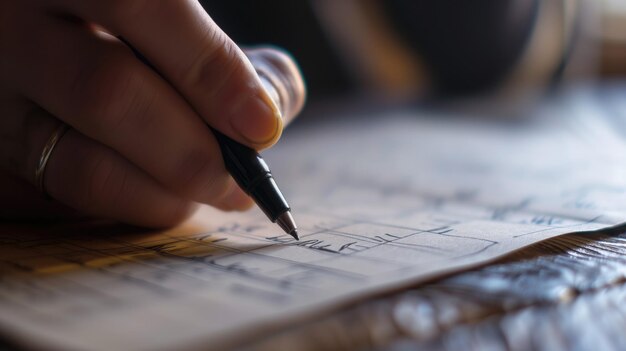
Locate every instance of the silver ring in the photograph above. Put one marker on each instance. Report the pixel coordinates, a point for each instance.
(45, 155)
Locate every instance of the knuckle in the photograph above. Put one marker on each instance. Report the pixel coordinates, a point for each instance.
(106, 93)
(215, 65)
(199, 175)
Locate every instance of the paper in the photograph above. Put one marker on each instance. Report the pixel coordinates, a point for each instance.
(381, 202)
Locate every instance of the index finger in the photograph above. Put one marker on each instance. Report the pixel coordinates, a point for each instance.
(188, 48)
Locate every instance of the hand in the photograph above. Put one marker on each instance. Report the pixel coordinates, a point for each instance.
(138, 149)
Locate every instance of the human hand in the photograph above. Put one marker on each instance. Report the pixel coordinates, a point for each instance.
(138, 149)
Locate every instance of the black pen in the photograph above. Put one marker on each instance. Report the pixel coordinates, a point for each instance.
(251, 172)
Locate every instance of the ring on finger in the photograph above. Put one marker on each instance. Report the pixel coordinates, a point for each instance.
(45, 155)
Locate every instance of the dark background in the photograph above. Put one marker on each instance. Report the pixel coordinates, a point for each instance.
(467, 46)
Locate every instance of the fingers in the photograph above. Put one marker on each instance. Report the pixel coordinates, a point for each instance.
(281, 77)
(94, 179)
(197, 57)
(20, 140)
(126, 115)
(97, 86)
(84, 174)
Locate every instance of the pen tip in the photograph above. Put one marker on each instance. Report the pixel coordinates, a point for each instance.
(285, 221)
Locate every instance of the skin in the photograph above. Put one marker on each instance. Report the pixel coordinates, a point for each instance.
(139, 149)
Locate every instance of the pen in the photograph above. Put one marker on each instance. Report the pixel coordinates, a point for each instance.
(250, 172)
(253, 175)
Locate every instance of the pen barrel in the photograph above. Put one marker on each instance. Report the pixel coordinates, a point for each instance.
(253, 175)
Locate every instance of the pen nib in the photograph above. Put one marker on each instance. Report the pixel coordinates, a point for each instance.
(294, 233)
(286, 222)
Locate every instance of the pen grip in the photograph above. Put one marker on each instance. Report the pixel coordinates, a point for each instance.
(242, 162)
(253, 175)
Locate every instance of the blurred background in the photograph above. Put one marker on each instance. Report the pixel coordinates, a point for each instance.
(418, 50)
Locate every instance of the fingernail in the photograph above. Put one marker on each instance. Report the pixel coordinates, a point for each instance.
(257, 119)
